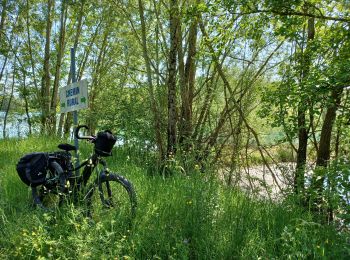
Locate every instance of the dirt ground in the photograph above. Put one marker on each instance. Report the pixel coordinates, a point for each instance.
(261, 181)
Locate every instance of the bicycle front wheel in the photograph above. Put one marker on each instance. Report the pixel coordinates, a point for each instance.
(111, 197)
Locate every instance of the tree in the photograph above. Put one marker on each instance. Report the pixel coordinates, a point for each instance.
(45, 81)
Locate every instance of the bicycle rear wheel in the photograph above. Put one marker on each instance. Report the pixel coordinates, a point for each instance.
(111, 197)
(51, 193)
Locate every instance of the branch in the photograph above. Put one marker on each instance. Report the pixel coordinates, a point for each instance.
(296, 13)
(235, 102)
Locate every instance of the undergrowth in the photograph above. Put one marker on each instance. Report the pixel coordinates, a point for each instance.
(182, 216)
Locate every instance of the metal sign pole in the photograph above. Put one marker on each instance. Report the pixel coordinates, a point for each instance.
(75, 112)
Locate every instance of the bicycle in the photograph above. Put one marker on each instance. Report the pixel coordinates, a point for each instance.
(107, 192)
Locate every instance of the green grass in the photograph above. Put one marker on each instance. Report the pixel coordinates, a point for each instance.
(179, 217)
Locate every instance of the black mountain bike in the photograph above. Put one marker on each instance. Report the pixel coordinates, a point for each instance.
(109, 195)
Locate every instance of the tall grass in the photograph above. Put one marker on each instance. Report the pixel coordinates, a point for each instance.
(179, 217)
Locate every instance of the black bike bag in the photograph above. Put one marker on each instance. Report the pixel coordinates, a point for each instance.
(104, 143)
(32, 168)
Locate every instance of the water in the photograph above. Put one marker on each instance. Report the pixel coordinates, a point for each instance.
(16, 124)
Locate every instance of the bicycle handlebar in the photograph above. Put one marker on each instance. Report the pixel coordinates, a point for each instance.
(76, 133)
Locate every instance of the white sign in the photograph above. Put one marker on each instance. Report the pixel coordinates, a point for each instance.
(74, 96)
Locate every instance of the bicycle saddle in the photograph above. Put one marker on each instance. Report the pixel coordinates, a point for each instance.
(67, 147)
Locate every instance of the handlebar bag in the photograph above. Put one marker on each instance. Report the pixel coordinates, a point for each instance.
(104, 143)
(32, 168)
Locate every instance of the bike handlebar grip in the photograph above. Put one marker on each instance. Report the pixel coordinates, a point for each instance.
(76, 132)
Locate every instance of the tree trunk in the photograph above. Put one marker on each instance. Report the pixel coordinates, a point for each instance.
(171, 133)
(323, 154)
(187, 87)
(10, 100)
(3, 18)
(45, 84)
(66, 120)
(156, 114)
(4, 93)
(302, 128)
(27, 105)
(95, 86)
(60, 51)
(30, 49)
(2, 32)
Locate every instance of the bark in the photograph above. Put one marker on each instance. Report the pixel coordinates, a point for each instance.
(30, 48)
(87, 52)
(302, 128)
(65, 121)
(3, 18)
(301, 152)
(3, 67)
(4, 93)
(60, 51)
(27, 105)
(187, 87)
(2, 32)
(92, 120)
(156, 114)
(9, 102)
(337, 142)
(198, 127)
(323, 154)
(45, 83)
(171, 133)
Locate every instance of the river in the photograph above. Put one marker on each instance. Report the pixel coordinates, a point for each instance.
(16, 125)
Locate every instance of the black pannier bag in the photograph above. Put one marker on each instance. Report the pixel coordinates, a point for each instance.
(32, 168)
(104, 143)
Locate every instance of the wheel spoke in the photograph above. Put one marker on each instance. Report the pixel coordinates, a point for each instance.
(113, 198)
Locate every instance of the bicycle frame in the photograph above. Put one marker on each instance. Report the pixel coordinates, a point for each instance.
(63, 172)
(89, 166)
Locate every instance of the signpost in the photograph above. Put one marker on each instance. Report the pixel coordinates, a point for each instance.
(74, 96)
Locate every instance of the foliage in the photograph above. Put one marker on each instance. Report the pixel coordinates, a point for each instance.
(178, 217)
(224, 83)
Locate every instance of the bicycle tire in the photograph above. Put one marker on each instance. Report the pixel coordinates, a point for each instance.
(111, 196)
(51, 196)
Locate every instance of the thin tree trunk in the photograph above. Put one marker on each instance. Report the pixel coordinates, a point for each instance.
(323, 154)
(2, 32)
(206, 105)
(95, 86)
(45, 85)
(60, 51)
(156, 114)
(187, 87)
(230, 104)
(27, 105)
(4, 93)
(87, 52)
(171, 133)
(337, 141)
(3, 18)
(10, 100)
(30, 48)
(302, 128)
(236, 103)
(66, 119)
